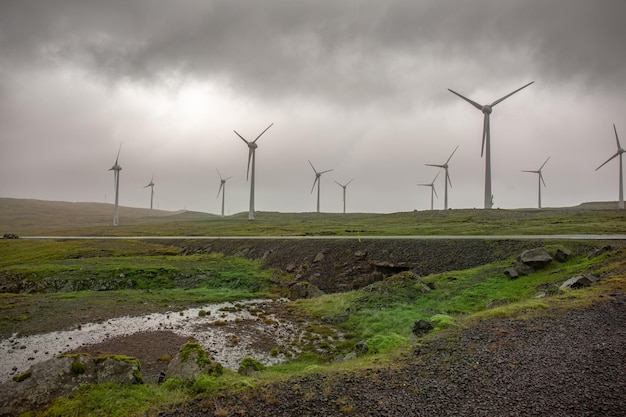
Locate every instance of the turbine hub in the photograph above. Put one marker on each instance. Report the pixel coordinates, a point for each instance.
(252, 145)
(486, 109)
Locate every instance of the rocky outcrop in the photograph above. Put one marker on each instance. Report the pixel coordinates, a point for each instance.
(60, 376)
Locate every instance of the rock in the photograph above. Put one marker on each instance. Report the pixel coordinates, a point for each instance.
(290, 268)
(350, 356)
(535, 258)
(562, 255)
(304, 289)
(360, 254)
(319, 257)
(59, 376)
(361, 348)
(191, 361)
(250, 366)
(600, 251)
(422, 326)
(10, 236)
(511, 272)
(579, 281)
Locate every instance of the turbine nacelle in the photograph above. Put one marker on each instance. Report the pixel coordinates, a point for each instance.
(486, 109)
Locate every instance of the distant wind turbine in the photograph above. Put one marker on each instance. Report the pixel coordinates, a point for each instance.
(222, 189)
(151, 185)
(116, 168)
(447, 178)
(540, 180)
(318, 181)
(344, 193)
(251, 159)
(486, 146)
(619, 153)
(433, 192)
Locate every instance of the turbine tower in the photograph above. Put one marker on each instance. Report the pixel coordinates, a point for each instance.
(344, 193)
(486, 146)
(540, 180)
(447, 179)
(116, 168)
(251, 151)
(222, 189)
(619, 153)
(151, 185)
(433, 192)
(317, 181)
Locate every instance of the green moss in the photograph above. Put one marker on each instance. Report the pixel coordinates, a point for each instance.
(22, 377)
(119, 358)
(250, 364)
(202, 359)
(77, 367)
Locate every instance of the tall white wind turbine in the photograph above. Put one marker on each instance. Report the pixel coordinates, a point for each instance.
(317, 181)
(116, 168)
(251, 151)
(486, 146)
(619, 153)
(446, 179)
(344, 193)
(222, 189)
(151, 185)
(540, 180)
(433, 192)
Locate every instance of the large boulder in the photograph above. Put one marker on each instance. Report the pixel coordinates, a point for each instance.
(304, 289)
(535, 258)
(579, 281)
(60, 376)
(190, 362)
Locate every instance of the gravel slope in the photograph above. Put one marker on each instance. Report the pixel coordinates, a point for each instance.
(566, 364)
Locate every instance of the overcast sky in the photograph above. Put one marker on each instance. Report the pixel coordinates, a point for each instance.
(358, 86)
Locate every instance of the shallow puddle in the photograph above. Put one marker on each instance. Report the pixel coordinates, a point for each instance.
(228, 331)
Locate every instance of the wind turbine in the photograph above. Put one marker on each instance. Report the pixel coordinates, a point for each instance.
(619, 153)
(116, 168)
(486, 146)
(251, 150)
(151, 185)
(344, 193)
(447, 179)
(318, 181)
(222, 189)
(433, 192)
(540, 180)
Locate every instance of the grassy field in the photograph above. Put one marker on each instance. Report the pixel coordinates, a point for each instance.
(149, 276)
(33, 217)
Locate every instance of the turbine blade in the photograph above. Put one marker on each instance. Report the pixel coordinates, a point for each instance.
(472, 102)
(433, 165)
(616, 137)
(257, 138)
(485, 133)
(544, 164)
(324, 172)
(436, 177)
(220, 190)
(510, 94)
(451, 155)
(349, 182)
(240, 136)
(541, 178)
(314, 170)
(219, 173)
(448, 178)
(118, 153)
(616, 154)
(314, 182)
(226, 179)
(435, 191)
(250, 156)
(341, 185)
